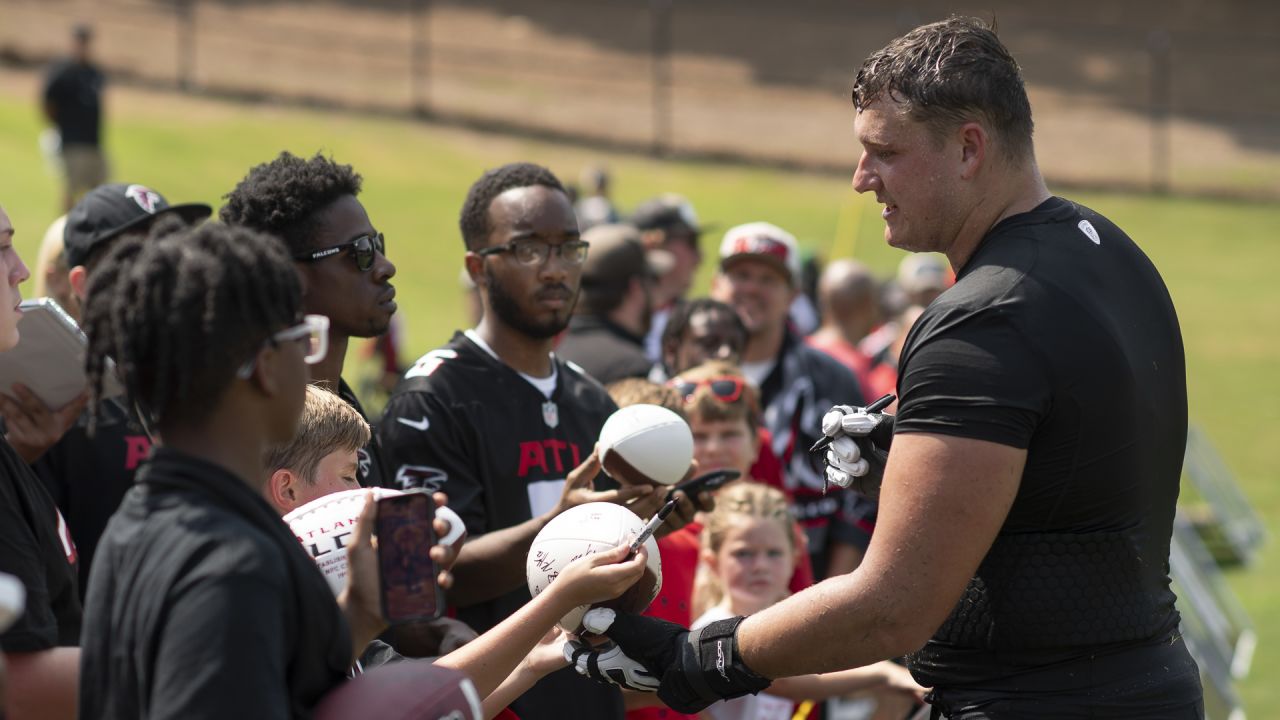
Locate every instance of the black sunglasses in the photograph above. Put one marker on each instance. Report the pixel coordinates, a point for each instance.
(364, 248)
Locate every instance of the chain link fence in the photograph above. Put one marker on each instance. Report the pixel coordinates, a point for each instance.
(1141, 95)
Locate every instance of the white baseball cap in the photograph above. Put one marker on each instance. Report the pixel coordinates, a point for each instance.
(762, 241)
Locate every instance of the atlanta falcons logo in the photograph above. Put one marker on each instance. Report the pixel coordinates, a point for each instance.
(146, 198)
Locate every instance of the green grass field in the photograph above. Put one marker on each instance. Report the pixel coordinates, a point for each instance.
(1219, 258)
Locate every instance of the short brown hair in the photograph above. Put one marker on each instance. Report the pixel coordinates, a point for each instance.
(948, 73)
(328, 424)
(705, 405)
(637, 391)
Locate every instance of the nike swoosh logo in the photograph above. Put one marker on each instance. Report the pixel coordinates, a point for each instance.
(422, 424)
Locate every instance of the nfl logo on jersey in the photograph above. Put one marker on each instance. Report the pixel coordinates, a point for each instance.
(550, 414)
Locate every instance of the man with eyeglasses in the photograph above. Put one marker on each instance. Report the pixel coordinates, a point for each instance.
(88, 475)
(759, 277)
(311, 205)
(501, 424)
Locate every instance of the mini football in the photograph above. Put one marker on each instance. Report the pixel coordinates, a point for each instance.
(406, 690)
(584, 530)
(648, 440)
(324, 525)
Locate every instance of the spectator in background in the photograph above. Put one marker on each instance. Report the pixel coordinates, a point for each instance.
(51, 279)
(40, 648)
(882, 376)
(89, 474)
(847, 299)
(606, 333)
(593, 206)
(72, 103)
(759, 268)
(668, 222)
(923, 277)
(311, 205)
(699, 330)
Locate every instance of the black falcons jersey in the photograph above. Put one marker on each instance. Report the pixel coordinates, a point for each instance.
(464, 422)
(370, 466)
(1059, 337)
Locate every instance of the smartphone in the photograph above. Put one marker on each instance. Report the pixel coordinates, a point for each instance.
(713, 480)
(409, 588)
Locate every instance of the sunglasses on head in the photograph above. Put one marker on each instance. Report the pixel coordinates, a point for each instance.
(364, 248)
(726, 389)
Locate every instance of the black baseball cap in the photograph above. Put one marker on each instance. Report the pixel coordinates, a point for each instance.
(108, 211)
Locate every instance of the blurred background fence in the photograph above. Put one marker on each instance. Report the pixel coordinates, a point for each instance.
(1148, 94)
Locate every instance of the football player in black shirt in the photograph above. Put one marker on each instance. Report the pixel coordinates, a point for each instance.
(311, 204)
(1021, 553)
(502, 425)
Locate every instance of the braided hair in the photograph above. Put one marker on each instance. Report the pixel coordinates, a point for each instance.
(474, 221)
(181, 311)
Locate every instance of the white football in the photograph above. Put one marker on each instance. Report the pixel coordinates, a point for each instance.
(648, 439)
(584, 530)
(325, 524)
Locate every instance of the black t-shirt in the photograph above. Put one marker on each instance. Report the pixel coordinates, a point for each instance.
(88, 476)
(204, 605)
(1059, 337)
(370, 467)
(464, 422)
(606, 351)
(36, 548)
(75, 91)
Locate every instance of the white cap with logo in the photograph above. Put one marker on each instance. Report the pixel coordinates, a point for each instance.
(762, 241)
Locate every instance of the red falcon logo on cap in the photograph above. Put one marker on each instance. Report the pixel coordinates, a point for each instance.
(146, 198)
(759, 245)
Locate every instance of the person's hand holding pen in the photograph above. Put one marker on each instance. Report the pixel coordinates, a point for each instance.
(857, 442)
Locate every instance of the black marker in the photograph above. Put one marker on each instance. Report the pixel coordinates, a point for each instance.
(713, 480)
(876, 406)
(652, 526)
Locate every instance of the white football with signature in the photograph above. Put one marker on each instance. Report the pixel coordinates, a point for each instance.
(585, 530)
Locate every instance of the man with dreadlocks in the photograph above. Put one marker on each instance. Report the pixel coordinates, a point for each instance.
(203, 604)
(311, 204)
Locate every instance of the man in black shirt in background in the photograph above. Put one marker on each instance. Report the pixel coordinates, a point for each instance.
(606, 333)
(1021, 552)
(72, 103)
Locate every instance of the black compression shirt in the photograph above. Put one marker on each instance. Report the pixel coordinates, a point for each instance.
(1059, 337)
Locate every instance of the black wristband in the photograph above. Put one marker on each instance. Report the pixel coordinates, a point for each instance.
(720, 665)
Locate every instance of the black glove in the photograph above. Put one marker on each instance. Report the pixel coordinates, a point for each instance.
(859, 448)
(697, 668)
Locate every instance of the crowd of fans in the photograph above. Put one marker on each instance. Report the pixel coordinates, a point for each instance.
(142, 527)
(154, 557)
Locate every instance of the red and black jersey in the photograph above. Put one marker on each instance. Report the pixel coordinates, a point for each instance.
(464, 422)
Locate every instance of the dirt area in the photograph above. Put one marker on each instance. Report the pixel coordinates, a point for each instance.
(748, 79)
